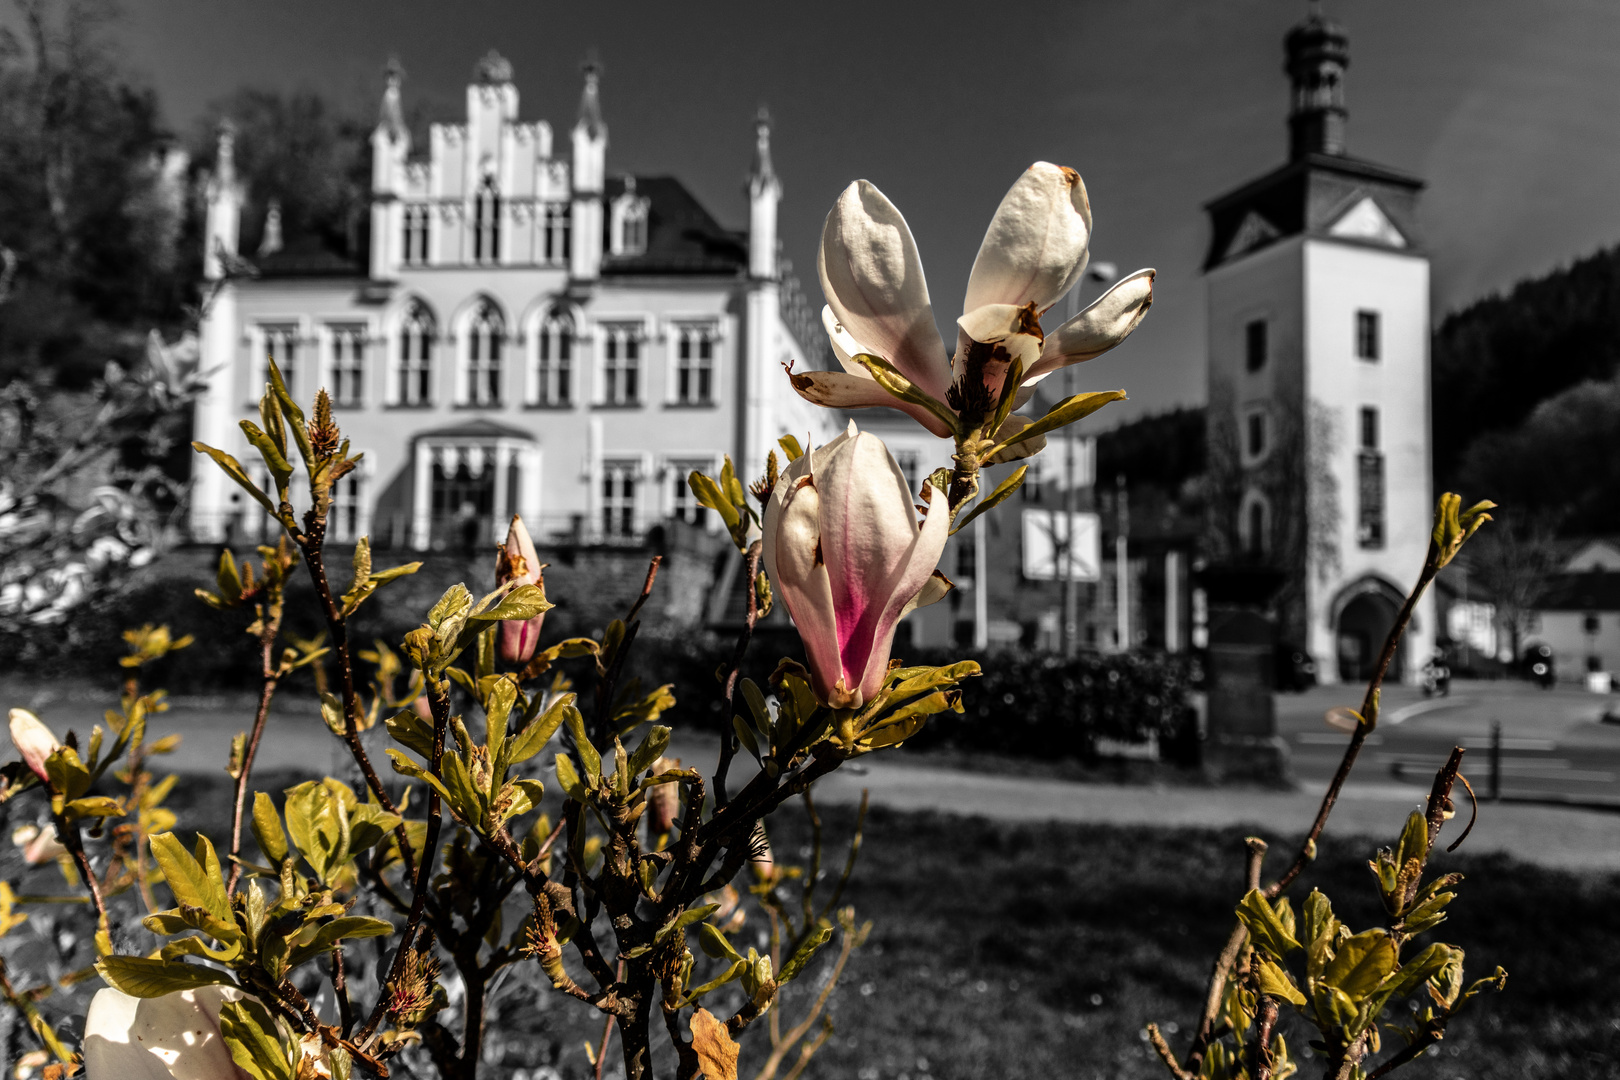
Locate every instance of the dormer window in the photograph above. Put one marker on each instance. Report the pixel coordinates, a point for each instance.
(629, 224)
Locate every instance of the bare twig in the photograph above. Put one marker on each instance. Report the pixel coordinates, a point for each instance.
(1266, 1015)
(267, 690)
(728, 739)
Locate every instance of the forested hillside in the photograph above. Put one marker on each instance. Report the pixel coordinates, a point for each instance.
(1526, 406)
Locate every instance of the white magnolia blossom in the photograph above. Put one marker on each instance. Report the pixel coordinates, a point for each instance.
(1033, 253)
(173, 1037)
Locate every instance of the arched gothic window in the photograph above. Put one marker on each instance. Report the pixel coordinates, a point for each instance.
(487, 223)
(486, 333)
(554, 360)
(414, 373)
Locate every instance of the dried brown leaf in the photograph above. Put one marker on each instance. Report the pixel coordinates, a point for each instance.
(715, 1048)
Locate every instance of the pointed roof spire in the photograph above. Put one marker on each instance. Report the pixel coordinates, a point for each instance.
(225, 153)
(391, 117)
(493, 70)
(763, 170)
(590, 100)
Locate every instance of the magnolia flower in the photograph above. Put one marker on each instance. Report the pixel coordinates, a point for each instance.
(517, 562)
(1034, 252)
(34, 741)
(173, 1037)
(843, 547)
(38, 845)
(663, 800)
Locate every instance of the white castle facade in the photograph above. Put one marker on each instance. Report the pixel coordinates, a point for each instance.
(530, 334)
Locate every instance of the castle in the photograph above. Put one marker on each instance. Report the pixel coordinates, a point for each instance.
(528, 334)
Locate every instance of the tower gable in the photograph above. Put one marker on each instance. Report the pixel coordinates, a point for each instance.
(1365, 221)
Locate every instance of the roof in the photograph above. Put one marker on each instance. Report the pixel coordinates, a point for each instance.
(307, 255)
(682, 237)
(1307, 196)
(1593, 590)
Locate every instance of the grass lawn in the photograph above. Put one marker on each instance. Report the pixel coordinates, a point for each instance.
(1038, 951)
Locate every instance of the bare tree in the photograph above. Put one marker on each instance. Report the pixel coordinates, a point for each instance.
(1512, 564)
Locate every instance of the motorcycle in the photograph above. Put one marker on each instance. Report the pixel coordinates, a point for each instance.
(1437, 677)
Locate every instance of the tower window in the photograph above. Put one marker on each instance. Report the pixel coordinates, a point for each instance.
(1367, 335)
(416, 235)
(1370, 496)
(1254, 341)
(487, 223)
(557, 230)
(415, 372)
(1255, 542)
(1256, 434)
(1369, 428)
(486, 333)
(694, 365)
(348, 364)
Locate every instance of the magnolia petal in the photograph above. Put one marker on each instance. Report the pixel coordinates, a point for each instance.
(916, 575)
(1108, 321)
(844, 345)
(792, 553)
(1019, 450)
(173, 1037)
(1035, 248)
(934, 590)
(1015, 329)
(841, 390)
(34, 741)
(518, 562)
(873, 280)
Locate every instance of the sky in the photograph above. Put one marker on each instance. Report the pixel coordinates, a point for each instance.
(1507, 109)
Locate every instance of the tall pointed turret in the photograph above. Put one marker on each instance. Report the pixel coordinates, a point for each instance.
(590, 168)
(764, 193)
(224, 215)
(1318, 54)
(390, 149)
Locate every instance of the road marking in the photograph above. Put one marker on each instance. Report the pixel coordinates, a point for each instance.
(1418, 708)
(1328, 738)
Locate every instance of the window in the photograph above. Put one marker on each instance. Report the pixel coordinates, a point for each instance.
(619, 499)
(1367, 335)
(1255, 441)
(280, 345)
(1254, 344)
(628, 223)
(634, 239)
(621, 364)
(1030, 490)
(415, 372)
(1370, 496)
(694, 365)
(1255, 541)
(463, 500)
(485, 333)
(1369, 428)
(555, 241)
(416, 235)
(684, 505)
(348, 364)
(487, 223)
(909, 464)
(1592, 624)
(554, 370)
(343, 520)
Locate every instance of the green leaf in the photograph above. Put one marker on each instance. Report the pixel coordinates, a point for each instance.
(329, 934)
(1264, 926)
(295, 414)
(745, 734)
(188, 880)
(568, 779)
(588, 757)
(736, 969)
(525, 796)
(707, 492)
(69, 777)
(1277, 982)
(523, 602)
(1427, 915)
(651, 749)
(96, 806)
(1361, 963)
(497, 709)
(406, 767)
(253, 1039)
(992, 500)
(233, 469)
(714, 943)
(1414, 840)
(275, 461)
(411, 730)
(1062, 414)
(142, 977)
(889, 377)
(804, 953)
(685, 919)
(465, 798)
(455, 601)
(532, 739)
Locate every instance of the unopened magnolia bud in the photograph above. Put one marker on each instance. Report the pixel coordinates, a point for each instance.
(34, 741)
(517, 562)
(422, 708)
(663, 800)
(760, 856)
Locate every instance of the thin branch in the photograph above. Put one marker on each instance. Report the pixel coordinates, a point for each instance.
(1266, 1015)
(267, 690)
(1167, 1055)
(728, 738)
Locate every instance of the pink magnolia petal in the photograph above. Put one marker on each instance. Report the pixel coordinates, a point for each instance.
(844, 345)
(1108, 321)
(1014, 329)
(518, 562)
(791, 552)
(935, 589)
(172, 1037)
(916, 574)
(34, 741)
(1035, 248)
(840, 390)
(873, 280)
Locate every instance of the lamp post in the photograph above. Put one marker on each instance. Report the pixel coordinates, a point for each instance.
(1068, 641)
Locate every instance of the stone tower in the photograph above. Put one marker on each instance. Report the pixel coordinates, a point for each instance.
(1318, 365)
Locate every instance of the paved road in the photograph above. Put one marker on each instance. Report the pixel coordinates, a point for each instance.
(1555, 744)
(1562, 748)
